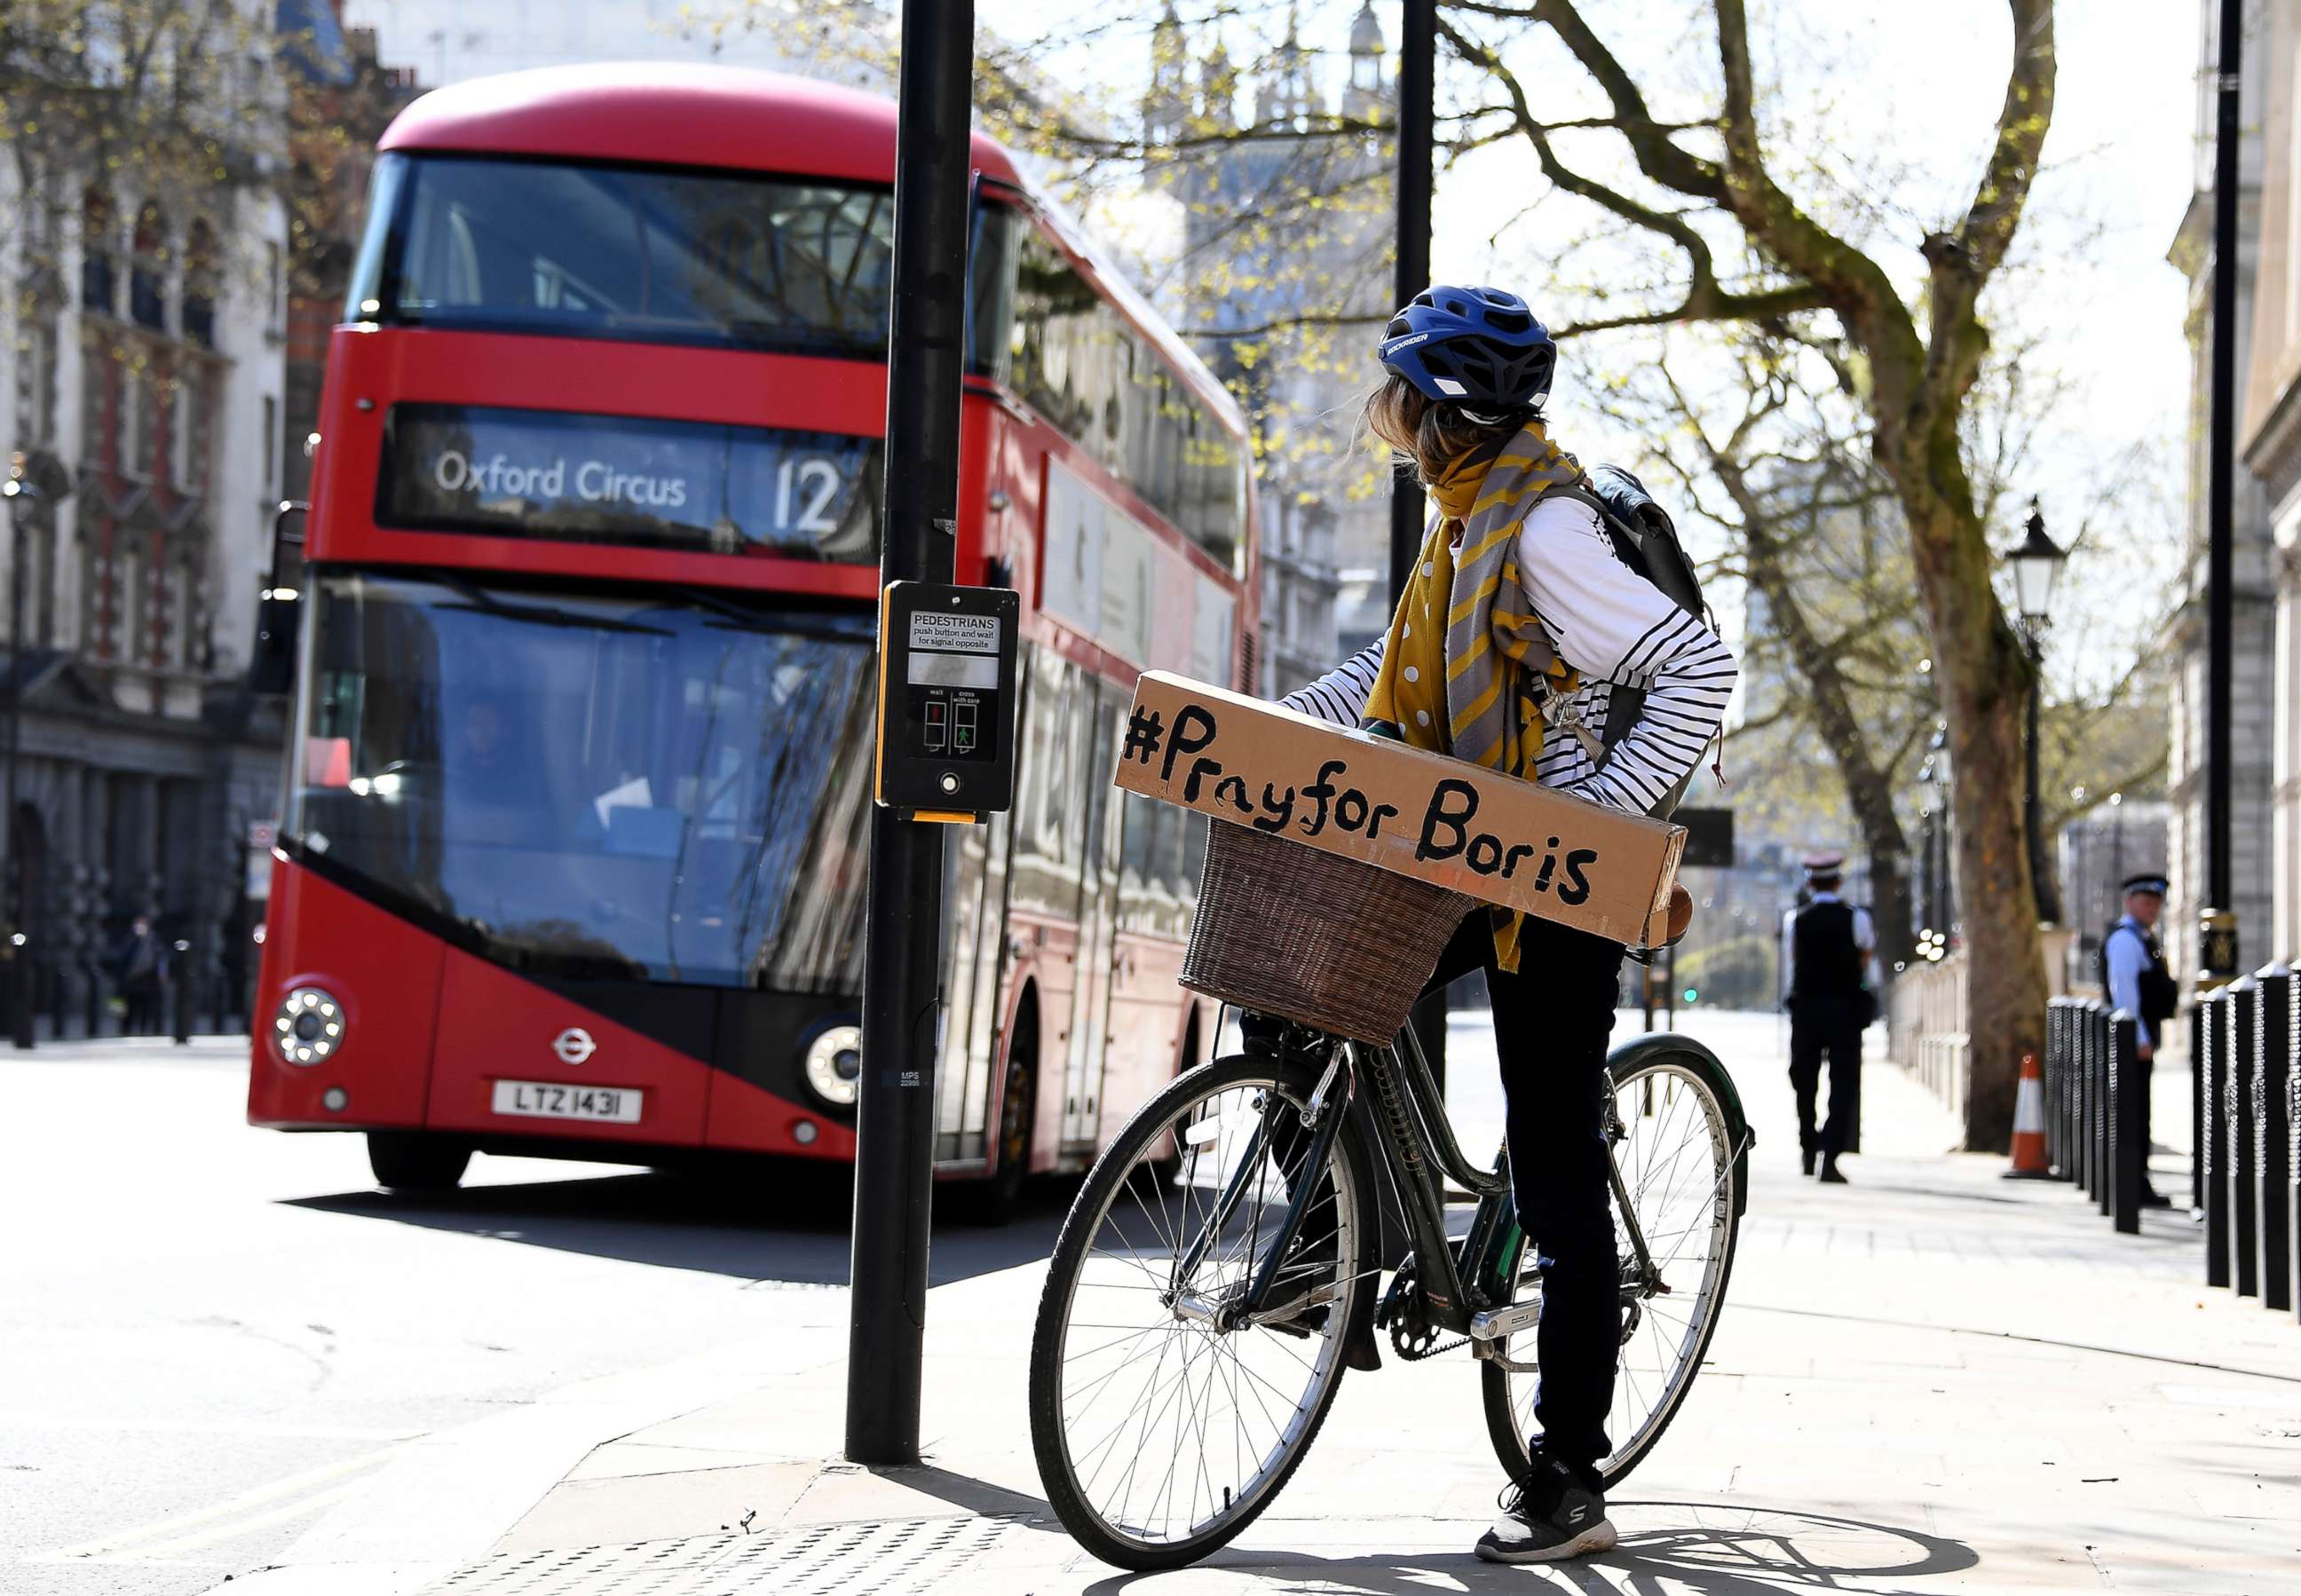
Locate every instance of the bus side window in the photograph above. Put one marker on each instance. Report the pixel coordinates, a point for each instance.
(1079, 363)
(991, 292)
(1042, 821)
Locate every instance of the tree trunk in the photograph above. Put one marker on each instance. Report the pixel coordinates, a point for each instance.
(1869, 789)
(1984, 675)
(1889, 894)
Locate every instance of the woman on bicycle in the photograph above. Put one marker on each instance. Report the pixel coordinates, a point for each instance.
(1517, 626)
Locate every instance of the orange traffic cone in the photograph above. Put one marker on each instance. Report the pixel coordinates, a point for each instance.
(2029, 1125)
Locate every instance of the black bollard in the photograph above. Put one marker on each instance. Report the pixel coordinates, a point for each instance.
(2057, 1014)
(2096, 1053)
(179, 996)
(2237, 1110)
(2081, 1057)
(2293, 1168)
(2104, 1146)
(2212, 1136)
(2130, 1156)
(2072, 1090)
(2198, 1072)
(2273, 1153)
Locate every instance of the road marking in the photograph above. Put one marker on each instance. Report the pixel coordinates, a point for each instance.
(191, 1426)
(262, 1507)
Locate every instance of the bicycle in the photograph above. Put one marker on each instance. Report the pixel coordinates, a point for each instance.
(1197, 1355)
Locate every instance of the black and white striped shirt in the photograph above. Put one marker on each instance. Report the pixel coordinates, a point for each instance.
(1614, 627)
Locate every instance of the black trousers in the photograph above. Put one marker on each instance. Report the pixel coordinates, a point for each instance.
(1832, 1026)
(1551, 1021)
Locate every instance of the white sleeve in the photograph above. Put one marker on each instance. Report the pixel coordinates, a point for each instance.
(1609, 621)
(1865, 929)
(1339, 698)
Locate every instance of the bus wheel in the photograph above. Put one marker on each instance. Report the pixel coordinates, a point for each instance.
(1003, 1193)
(412, 1161)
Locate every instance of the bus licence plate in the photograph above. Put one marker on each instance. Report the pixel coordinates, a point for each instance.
(546, 1099)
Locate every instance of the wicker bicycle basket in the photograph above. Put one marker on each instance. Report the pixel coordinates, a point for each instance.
(1289, 929)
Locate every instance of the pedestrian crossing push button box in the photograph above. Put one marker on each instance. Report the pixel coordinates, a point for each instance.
(947, 700)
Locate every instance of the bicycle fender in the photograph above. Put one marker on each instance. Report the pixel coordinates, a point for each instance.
(1637, 1050)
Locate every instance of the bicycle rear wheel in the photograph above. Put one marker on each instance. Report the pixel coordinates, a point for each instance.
(1162, 1422)
(1675, 1158)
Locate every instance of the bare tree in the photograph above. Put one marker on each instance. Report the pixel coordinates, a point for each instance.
(1706, 201)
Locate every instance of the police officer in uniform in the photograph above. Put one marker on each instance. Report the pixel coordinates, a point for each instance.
(1826, 950)
(2133, 971)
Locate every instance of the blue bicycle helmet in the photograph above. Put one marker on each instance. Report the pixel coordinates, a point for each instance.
(1480, 347)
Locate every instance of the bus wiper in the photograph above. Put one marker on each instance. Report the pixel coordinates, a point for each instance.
(545, 614)
(767, 622)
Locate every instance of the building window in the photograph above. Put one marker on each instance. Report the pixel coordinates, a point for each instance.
(200, 285)
(156, 626)
(194, 621)
(139, 447)
(274, 286)
(36, 377)
(147, 273)
(270, 443)
(199, 432)
(96, 245)
(99, 589)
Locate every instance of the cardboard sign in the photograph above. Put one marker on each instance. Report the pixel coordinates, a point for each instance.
(1495, 836)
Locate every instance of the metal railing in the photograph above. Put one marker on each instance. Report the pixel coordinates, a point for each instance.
(1925, 1029)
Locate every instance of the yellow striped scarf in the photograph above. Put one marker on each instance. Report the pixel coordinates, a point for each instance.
(1491, 641)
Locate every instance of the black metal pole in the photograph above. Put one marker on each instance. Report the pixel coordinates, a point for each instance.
(1417, 90)
(894, 1154)
(20, 947)
(2041, 869)
(2218, 948)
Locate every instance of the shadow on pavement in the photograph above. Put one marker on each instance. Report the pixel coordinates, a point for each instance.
(788, 1227)
(1708, 1549)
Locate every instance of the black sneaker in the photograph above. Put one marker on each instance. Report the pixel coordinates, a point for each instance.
(1573, 1524)
(1830, 1174)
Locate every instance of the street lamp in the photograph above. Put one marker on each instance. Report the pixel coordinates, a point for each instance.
(20, 495)
(1939, 912)
(2036, 562)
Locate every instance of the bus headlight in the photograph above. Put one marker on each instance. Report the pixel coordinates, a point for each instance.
(834, 1064)
(309, 1025)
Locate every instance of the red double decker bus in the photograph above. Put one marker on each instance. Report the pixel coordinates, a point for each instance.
(571, 856)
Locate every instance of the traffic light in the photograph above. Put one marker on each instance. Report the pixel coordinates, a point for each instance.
(1692, 993)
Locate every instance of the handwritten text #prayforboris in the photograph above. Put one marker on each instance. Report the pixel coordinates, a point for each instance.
(1442, 831)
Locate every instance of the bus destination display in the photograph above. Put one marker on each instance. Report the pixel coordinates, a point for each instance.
(947, 700)
(609, 478)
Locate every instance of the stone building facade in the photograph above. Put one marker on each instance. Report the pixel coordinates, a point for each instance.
(2269, 438)
(2255, 861)
(1324, 508)
(145, 405)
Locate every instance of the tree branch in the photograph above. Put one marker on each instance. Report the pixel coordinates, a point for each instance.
(1860, 291)
(1657, 156)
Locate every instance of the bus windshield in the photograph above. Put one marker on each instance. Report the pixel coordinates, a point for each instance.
(621, 252)
(641, 786)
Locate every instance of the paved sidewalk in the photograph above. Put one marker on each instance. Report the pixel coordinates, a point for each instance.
(1929, 1381)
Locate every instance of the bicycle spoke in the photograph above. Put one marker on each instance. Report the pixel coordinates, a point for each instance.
(1675, 1167)
(1175, 1414)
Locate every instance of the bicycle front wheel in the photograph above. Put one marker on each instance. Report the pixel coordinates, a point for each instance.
(1164, 1418)
(1674, 1155)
